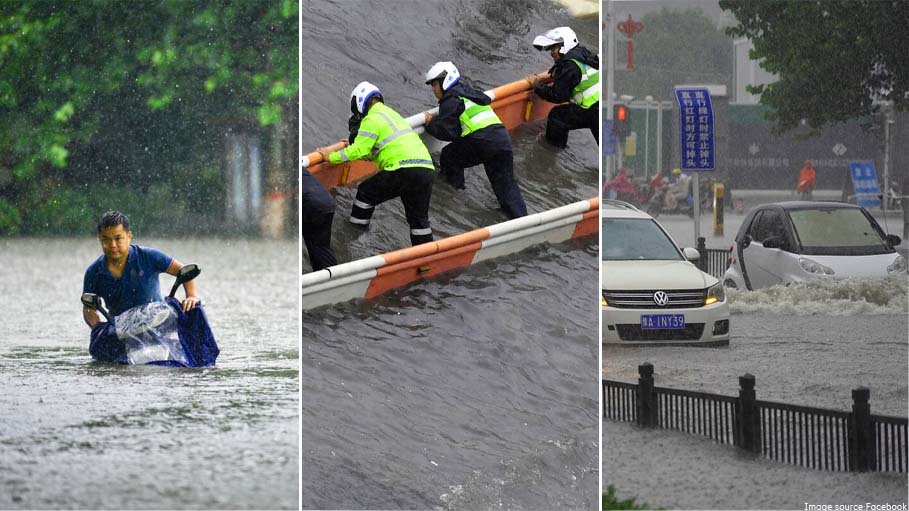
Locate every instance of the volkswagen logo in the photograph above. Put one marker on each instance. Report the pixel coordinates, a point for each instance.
(661, 298)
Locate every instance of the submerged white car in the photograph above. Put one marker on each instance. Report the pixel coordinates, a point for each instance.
(652, 293)
(790, 242)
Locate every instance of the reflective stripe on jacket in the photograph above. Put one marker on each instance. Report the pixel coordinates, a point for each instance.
(476, 117)
(586, 93)
(386, 138)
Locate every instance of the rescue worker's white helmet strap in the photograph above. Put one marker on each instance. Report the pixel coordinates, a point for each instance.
(362, 93)
(444, 70)
(561, 35)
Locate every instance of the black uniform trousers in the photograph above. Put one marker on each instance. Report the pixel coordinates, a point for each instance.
(317, 212)
(567, 117)
(412, 184)
(499, 166)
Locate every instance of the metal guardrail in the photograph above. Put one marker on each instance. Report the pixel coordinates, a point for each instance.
(810, 437)
(713, 260)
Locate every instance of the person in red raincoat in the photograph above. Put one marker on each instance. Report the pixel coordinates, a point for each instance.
(807, 181)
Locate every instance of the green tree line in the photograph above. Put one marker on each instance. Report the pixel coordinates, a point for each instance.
(124, 105)
(836, 59)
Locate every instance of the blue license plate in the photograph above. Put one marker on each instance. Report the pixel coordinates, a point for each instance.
(662, 322)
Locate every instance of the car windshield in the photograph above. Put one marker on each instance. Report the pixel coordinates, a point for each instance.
(837, 231)
(635, 239)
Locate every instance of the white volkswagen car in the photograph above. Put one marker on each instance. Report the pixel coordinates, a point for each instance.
(652, 293)
(796, 241)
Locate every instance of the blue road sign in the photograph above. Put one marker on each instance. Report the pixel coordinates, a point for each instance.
(864, 180)
(609, 142)
(696, 129)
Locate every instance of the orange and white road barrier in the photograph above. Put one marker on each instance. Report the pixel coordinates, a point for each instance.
(372, 276)
(513, 102)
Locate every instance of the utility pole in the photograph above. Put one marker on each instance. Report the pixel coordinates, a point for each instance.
(610, 78)
(888, 120)
(649, 100)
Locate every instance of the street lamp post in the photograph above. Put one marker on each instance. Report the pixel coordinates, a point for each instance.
(610, 76)
(647, 137)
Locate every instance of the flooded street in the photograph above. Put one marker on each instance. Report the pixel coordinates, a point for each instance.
(469, 393)
(80, 434)
(673, 470)
(808, 344)
(472, 391)
(805, 345)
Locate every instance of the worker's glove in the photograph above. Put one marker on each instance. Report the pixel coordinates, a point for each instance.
(353, 126)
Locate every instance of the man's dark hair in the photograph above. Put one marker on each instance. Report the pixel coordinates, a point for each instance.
(113, 219)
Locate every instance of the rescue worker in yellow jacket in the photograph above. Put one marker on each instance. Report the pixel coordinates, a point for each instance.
(575, 80)
(405, 166)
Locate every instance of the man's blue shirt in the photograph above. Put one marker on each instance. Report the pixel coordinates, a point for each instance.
(137, 286)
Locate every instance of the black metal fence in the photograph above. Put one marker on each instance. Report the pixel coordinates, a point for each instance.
(712, 260)
(811, 437)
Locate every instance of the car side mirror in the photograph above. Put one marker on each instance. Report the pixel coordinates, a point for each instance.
(746, 241)
(774, 242)
(893, 240)
(691, 254)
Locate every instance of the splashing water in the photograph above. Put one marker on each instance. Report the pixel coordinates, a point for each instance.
(826, 297)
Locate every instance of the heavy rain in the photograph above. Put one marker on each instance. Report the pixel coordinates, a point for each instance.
(183, 116)
(808, 341)
(472, 390)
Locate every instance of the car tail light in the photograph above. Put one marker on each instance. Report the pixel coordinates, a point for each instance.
(731, 257)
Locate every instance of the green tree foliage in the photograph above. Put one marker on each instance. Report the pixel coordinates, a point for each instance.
(134, 95)
(833, 57)
(612, 501)
(675, 47)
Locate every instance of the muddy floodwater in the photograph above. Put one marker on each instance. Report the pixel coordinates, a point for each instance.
(478, 390)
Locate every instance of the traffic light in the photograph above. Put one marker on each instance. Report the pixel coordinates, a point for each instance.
(620, 119)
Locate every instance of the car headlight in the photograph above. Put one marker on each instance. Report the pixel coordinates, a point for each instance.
(898, 265)
(814, 267)
(715, 293)
(603, 300)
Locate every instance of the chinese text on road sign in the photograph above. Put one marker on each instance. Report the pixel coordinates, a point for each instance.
(864, 180)
(696, 129)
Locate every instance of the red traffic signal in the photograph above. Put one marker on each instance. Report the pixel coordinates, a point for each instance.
(621, 113)
(620, 118)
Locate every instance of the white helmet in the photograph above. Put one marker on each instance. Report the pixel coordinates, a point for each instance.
(446, 71)
(361, 94)
(561, 35)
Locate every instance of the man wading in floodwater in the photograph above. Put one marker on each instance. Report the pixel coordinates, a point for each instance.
(126, 275)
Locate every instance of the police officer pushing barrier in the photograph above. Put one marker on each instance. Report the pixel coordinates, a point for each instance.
(477, 136)
(317, 212)
(575, 79)
(405, 167)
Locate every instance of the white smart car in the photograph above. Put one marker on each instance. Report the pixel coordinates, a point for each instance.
(652, 293)
(790, 242)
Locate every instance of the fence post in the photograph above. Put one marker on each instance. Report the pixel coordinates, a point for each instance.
(702, 249)
(861, 432)
(748, 418)
(646, 403)
(603, 397)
